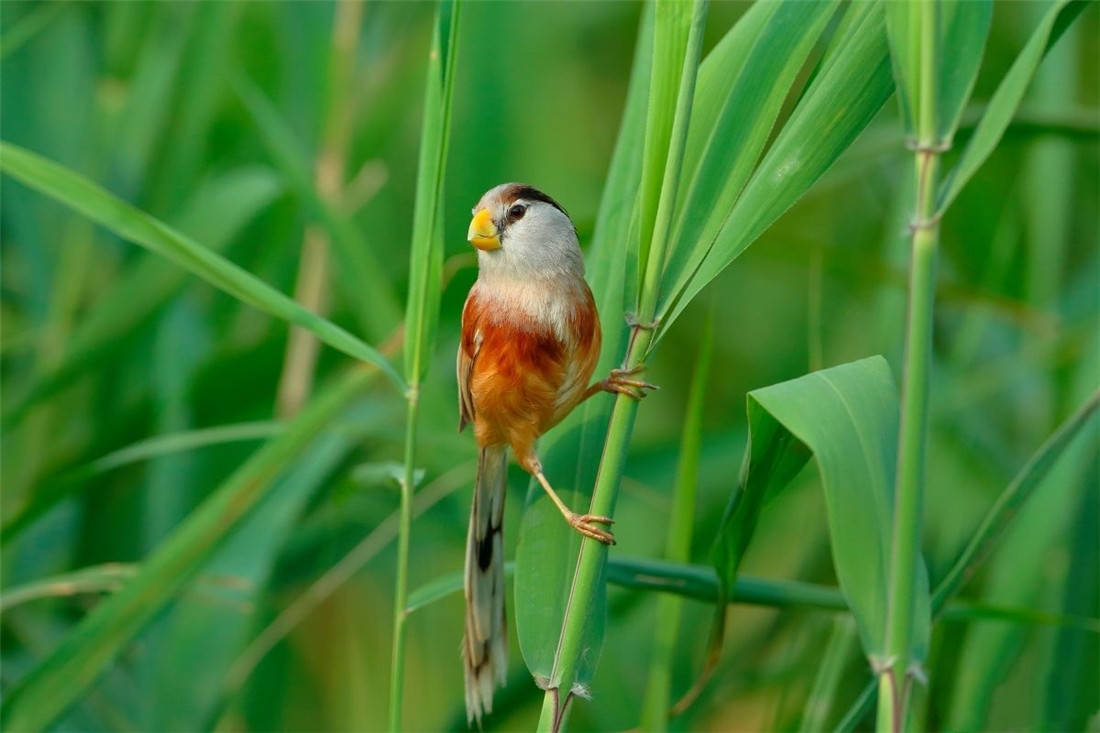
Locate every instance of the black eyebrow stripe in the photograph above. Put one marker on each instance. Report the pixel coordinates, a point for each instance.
(533, 194)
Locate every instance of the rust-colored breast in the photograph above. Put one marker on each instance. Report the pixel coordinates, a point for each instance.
(518, 377)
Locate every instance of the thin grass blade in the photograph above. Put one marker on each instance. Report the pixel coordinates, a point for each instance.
(72, 667)
(129, 223)
(1007, 99)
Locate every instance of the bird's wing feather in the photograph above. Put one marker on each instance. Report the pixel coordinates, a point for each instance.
(468, 349)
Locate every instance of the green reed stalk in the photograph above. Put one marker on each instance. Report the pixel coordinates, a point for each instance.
(909, 489)
(422, 306)
(593, 555)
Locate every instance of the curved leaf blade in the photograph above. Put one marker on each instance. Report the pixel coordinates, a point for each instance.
(130, 223)
(852, 86)
(1007, 99)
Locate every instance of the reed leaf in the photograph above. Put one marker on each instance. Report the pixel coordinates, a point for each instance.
(78, 192)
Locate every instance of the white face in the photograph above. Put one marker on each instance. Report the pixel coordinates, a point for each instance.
(537, 239)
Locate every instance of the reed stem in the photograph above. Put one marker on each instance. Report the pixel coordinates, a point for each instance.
(913, 431)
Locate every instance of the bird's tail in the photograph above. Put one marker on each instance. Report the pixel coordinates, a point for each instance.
(485, 645)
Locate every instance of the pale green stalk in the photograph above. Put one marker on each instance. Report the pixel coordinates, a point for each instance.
(422, 307)
(592, 557)
(913, 431)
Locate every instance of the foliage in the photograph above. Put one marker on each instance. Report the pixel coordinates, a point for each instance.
(175, 557)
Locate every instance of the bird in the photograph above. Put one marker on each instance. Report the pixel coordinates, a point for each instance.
(529, 344)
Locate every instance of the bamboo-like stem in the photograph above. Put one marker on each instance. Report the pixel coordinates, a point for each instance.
(909, 488)
(401, 592)
(296, 380)
(422, 305)
(592, 556)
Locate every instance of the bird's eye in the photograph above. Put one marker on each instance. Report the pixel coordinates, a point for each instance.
(516, 212)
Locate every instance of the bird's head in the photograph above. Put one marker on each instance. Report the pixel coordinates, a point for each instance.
(520, 232)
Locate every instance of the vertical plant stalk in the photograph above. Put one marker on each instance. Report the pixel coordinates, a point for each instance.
(894, 668)
(422, 306)
(296, 381)
(593, 554)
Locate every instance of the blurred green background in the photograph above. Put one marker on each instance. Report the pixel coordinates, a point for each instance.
(164, 105)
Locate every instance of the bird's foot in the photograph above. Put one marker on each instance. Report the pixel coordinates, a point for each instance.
(586, 525)
(618, 381)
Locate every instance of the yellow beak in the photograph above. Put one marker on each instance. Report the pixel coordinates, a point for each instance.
(483, 232)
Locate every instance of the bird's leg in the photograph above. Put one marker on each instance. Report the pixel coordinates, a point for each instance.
(619, 382)
(583, 523)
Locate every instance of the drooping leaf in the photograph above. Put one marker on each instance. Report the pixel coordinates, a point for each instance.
(847, 418)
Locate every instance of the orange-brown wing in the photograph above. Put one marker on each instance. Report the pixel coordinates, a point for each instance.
(468, 348)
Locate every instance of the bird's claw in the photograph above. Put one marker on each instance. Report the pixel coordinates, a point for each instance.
(617, 382)
(586, 525)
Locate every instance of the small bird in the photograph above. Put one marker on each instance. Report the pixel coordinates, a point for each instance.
(530, 342)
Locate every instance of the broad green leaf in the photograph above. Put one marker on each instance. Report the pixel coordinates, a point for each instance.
(218, 210)
(957, 40)
(718, 73)
(1005, 101)
(847, 418)
(426, 253)
(852, 85)
(778, 51)
(903, 29)
(72, 667)
(129, 223)
(963, 26)
(542, 596)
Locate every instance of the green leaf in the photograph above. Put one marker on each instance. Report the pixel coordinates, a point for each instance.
(542, 595)
(129, 223)
(426, 253)
(57, 488)
(847, 417)
(852, 85)
(358, 275)
(1006, 99)
(104, 578)
(959, 39)
(671, 33)
(219, 208)
(1012, 499)
(774, 54)
(78, 661)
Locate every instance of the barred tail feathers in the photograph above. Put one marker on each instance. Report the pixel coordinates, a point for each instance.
(485, 644)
